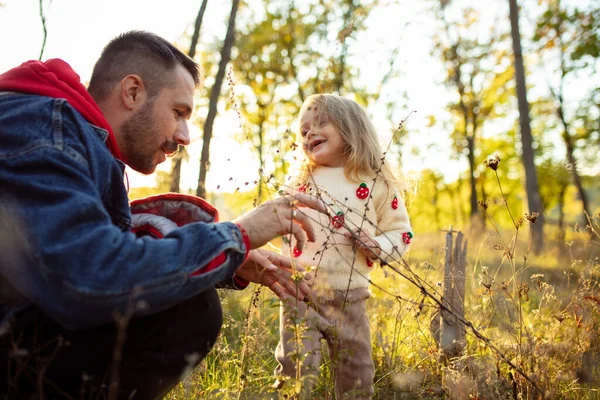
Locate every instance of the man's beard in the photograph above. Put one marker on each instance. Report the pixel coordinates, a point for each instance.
(139, 135)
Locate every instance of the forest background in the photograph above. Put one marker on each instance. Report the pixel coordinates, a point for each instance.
(446, 72)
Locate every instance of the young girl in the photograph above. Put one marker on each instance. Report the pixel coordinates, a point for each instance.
(345, 167)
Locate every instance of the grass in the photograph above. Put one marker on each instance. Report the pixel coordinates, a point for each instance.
(533, 326)
(558, 347)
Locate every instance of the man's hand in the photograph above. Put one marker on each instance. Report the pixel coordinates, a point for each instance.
(274, 271)
(280, 217)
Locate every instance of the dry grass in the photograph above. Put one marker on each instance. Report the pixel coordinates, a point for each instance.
(533, 326)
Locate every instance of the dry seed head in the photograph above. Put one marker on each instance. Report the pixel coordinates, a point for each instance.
(492, 163)
(484, 203)
(520, 222)
(498, 247)
(524, 291)
(532, 217)
(485, 281)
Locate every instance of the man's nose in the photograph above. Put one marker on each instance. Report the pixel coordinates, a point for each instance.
(182, 136)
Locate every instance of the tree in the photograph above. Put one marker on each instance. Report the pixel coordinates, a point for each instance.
(279, 64)
(262, 65)
(476, 70)
(558, 30)
(214, 99)
(534, 201)
(182, 154)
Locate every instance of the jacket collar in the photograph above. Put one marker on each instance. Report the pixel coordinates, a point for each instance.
(55, 78)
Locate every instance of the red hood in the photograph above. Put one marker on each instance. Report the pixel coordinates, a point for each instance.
(55, 78)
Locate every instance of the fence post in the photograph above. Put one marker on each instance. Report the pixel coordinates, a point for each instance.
(448, 332)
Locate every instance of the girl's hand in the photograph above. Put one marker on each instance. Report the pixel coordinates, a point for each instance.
(364, 243)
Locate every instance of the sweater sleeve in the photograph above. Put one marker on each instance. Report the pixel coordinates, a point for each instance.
(392, 223)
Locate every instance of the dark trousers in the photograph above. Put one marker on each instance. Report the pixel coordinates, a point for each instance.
(41, 359)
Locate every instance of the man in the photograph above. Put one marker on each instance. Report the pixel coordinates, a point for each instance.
(62, 157)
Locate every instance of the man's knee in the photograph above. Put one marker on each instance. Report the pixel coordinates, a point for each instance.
(196, 322)
(206, 316)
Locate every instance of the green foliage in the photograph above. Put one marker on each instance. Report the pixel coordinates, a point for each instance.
(478, 70)
(286, 54)
(570, 36)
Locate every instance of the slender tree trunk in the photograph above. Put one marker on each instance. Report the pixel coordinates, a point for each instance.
(570, 147)
(436, 208)
(176, 163)
(534, 201)
(197, 25)
(473, 181)
(561, 214)
(176, 172)
(572, 160)
(214, 99)
(483, 196)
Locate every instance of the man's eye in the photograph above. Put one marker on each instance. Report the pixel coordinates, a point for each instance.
(178, 113)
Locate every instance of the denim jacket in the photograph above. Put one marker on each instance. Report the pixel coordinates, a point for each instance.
(82, 263)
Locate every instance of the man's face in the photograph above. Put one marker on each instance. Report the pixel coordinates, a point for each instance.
(160, 125)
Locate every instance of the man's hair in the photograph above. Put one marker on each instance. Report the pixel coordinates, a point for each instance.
(140, 53)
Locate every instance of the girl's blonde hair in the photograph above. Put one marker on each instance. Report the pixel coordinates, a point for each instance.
(363, 153)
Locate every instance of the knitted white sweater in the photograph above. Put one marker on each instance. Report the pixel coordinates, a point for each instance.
(382, 214)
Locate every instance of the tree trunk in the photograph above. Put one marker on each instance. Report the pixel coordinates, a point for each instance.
(176, 163)
(471, 157)
(483, 197)
(561, 214)
(570, 147)
(214, 99)
(534, 201)
(573, 161)
(175, 173)
(436, 208)
(197, 25)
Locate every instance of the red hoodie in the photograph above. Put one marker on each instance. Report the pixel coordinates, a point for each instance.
(55, 78)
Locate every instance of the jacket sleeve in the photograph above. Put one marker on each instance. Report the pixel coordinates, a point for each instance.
(81, 268)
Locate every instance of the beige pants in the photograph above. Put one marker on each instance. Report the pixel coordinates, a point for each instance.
(347, 334)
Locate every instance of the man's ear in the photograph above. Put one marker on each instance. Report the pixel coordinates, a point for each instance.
(133, 92)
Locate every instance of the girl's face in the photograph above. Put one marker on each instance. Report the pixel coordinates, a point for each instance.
(321, 142)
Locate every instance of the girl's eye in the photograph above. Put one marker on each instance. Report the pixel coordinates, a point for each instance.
(304, 132)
